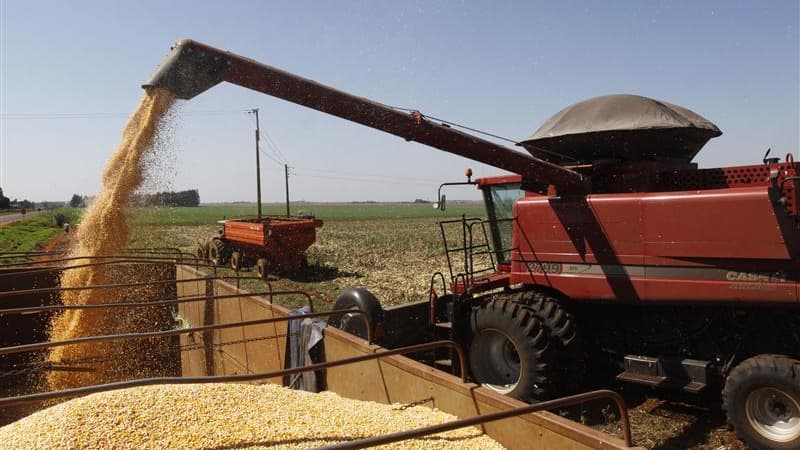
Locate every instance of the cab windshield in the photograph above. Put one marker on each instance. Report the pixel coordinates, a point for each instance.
(499, 199)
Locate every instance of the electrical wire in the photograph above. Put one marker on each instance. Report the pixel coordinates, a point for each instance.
(364, 174)
(364, 180)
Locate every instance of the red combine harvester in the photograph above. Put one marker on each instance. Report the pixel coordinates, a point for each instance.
(271, 244)
(607, 251)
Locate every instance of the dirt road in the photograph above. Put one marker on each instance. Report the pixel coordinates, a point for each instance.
(7, 219)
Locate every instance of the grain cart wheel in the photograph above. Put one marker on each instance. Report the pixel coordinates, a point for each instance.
(202, 251)
(762, 401)
(218, 252)
(262, 267)
(510, 352)
(561, 324)
(357, 298)
(236, 261)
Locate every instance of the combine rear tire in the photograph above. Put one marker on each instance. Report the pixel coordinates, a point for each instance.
(236, 261)
(218, 252)
(510, 352)
(561, 324)
(762, 401)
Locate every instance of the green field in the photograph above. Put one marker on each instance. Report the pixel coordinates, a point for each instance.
(33, 233)
(389, 248)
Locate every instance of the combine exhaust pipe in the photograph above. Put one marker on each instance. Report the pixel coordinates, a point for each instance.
(192, 68)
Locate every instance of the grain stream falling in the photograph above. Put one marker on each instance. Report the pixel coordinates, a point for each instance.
(104, 231)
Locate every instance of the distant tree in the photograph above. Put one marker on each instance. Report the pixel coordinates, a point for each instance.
(181, 198)
(5, 202)
(76, 201)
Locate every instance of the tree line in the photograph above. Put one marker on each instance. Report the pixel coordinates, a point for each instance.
(190, 197)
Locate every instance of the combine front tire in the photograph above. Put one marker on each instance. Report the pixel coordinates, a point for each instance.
(510, 352)
(762, 401)
(561, 325)
(218, 252)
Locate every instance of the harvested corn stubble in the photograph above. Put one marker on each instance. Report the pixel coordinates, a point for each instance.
(226, 416)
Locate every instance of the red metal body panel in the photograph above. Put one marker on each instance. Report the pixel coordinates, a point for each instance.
(724, 245)
(282, 240)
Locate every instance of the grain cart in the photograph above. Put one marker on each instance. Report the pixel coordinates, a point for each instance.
(271, 244)
(608, 249)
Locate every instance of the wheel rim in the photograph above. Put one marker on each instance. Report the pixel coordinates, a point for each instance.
(774, 414)
(504, 364)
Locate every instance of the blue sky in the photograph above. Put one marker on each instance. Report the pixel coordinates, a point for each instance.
(71, 72)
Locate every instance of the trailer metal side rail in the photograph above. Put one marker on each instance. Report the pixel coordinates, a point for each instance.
(145, 304)
(74, 392)
(125, 285)
(176, 332)
(480, 419)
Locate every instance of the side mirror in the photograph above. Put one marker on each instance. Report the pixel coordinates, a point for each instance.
(442, 202)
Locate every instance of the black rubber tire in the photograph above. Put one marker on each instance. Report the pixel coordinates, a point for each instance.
(236, 261)
(571, 359)
(775, 379)
(363, 300)
(502, 329)
(201, 251)
(262, 268)
(218, 252)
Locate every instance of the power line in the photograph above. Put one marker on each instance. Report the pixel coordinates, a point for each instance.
(365, 180)
(364, 174)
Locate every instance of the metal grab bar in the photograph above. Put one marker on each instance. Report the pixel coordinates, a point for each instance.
(74, 392)
(461, 423)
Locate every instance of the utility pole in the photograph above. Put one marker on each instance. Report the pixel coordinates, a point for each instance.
(258, 166)
(286, 173)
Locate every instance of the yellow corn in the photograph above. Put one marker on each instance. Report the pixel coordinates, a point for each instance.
(226, 416)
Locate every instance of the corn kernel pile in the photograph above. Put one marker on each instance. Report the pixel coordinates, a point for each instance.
(226, 416)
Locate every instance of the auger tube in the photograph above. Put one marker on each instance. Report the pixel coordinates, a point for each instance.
(192, 68)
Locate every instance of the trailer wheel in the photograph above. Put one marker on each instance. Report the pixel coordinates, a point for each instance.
(510, 352)
(236, 261)
(561, 324)
(762, 402)
(218, 252)
(262, 267)
(361, 299)
(202, 251)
